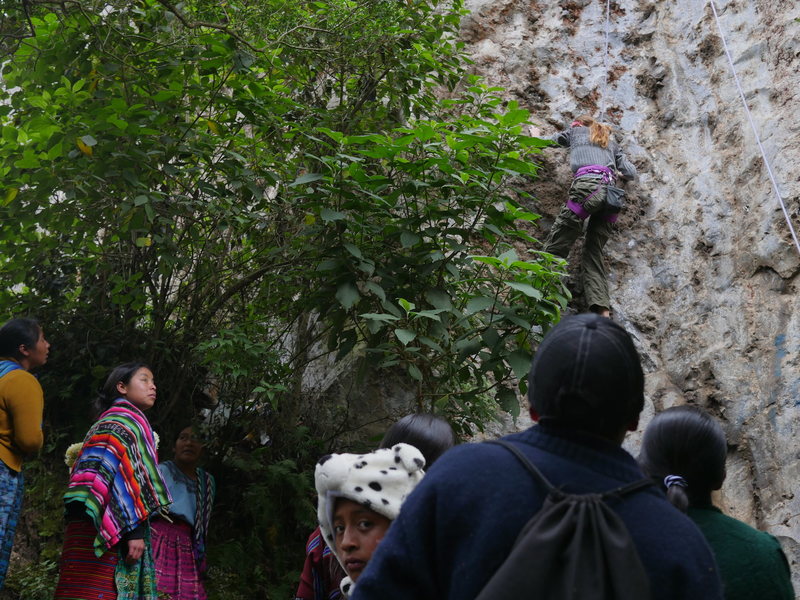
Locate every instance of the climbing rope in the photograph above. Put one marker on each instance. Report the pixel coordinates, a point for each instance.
(755, 131)
(605, 65)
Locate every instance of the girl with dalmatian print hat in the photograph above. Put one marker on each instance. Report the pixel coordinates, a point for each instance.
(359, 495)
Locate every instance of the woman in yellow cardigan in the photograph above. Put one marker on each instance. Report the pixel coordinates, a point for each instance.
(22, 348)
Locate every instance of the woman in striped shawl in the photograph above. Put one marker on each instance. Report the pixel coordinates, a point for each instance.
(114, 489)
(179, 543)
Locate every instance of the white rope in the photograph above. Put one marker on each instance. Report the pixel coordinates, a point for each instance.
(605, 65)
(755, 131)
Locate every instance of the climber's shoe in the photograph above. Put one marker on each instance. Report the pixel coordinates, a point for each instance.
(600, 310)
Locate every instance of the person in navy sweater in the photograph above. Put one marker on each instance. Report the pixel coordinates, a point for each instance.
(458, 526)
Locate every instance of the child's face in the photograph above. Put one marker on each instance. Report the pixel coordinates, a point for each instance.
(358, 531)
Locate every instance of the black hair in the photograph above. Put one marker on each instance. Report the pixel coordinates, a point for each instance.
(428, 433)
(587, 376)
(688, 442)
(18, 332)
(108, 393)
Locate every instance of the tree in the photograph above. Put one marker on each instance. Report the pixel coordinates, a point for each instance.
(237, 192)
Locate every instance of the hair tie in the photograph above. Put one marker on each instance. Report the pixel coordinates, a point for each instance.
(671, 480)
(577, 124)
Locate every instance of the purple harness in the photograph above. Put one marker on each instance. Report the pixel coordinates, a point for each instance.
(607, 176)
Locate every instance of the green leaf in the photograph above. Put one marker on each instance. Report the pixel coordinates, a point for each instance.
(515, 116)
(55, 151)
(328, 214)
(431, 344)
(490, 337)
(405, 335)
(353, 249)
(414, 372)
(407, 306)
(508, 401)
(408, 239)
(28, 160)
(11, 193)
(439, 299)
(478, 303)
(489, 260)
(430, 314)
(520, 362)
(306, 178)
(337, 136)
(376, 289)
(509, 256)
(468, 347)
(164, 95)
(526, 289)
(347, 295)
(383, 317)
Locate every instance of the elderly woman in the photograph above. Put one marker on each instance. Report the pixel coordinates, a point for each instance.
(179, 543)
(22, 348)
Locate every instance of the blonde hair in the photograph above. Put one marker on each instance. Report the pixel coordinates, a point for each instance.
(599, 133)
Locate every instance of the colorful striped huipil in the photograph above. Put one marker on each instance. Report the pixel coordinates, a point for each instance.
(116, 480)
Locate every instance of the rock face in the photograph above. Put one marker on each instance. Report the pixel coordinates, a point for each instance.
(703, 269)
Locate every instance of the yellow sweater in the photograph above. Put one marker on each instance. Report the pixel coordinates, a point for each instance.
(21, 407)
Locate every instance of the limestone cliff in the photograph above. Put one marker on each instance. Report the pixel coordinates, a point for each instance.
(704, 273)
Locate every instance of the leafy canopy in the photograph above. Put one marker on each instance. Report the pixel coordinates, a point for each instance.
(247, 193)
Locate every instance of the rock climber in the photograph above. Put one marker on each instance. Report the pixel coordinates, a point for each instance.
(596, 162)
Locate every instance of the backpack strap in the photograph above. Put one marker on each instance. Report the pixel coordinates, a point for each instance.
(624, 490)
(537, 474)
(634, 486)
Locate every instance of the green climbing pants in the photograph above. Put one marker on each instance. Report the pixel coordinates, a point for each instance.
(568, 226)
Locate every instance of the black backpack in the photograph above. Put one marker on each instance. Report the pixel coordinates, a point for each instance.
(574, 548)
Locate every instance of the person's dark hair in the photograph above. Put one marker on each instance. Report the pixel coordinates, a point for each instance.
(586, 375)
(18, 332)
(108, 393)
(688, 442)
(185, 425)
(428, 433)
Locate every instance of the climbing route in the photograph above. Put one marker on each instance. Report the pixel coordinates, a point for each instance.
(604, 91)
(755, 130)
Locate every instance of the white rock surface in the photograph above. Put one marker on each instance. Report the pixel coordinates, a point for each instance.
(704, 273)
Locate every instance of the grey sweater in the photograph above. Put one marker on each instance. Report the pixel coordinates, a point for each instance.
(582, 152)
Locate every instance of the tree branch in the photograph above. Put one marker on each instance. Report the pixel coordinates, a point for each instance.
(200, 24)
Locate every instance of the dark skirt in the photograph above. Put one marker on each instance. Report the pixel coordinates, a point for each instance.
(84, 576)
(177, 573)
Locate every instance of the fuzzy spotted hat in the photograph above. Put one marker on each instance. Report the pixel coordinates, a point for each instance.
(380, 480)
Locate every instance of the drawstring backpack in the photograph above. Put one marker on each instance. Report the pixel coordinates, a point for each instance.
(574, 548)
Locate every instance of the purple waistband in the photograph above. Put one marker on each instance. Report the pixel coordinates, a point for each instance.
(608, 174)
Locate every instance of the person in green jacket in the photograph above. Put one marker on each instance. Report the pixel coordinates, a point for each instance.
(22, 348)
(685, 449)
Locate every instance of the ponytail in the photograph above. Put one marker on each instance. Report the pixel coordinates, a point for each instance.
(676, 492)
(599, 133)
(685, 448)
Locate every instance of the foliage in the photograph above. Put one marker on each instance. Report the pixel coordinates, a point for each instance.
(244, 193)
(451, 302)
(35, 580)
(34, 574)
